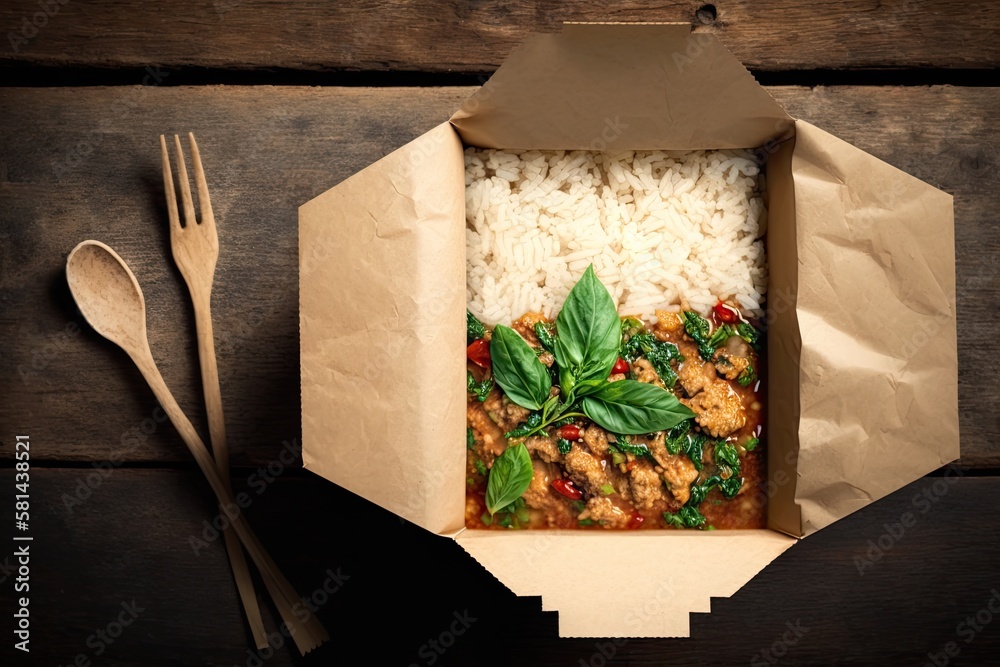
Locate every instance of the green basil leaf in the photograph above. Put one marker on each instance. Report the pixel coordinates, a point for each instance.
(694, 448)
(625, 444)
(474, 328)
(699, 329)
(633, 407)
(726, 454)
(747, 377)
(677, 437)
(517, 370)
(748, 333)
(534, 419)
(699, 491)
(480, 389)
(509, 478)
(543, 332)
(730, 487)
(587, 387)
(567, 381)
(687, 517)
(589, 330)
(721, 335)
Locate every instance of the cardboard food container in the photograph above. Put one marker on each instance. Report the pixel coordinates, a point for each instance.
(862, 361)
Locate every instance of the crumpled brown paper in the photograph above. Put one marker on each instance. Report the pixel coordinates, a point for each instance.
(862, 370)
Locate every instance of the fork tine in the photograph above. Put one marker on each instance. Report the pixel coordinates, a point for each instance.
(205, 202)
(168, 186)
(189, 217)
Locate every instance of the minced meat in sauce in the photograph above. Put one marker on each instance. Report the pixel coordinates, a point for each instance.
(707, 472)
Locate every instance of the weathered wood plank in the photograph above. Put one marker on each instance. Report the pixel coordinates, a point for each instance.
(459, 36)
(84, 163)
(130, 541)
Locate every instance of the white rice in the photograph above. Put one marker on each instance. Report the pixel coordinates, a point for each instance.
(660, 227)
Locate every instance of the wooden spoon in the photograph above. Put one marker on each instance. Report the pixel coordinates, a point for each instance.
(111, 300)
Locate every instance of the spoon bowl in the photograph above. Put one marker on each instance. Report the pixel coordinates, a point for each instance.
(108, 295)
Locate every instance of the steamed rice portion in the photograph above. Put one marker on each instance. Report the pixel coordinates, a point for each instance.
(658, 226)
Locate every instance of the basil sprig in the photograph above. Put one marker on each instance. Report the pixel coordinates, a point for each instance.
(585, 344)
(517, 370)
(509, 478)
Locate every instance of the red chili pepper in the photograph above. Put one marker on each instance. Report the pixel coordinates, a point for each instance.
(478, 353)
(621, 366)
(631, 464)
(635, 521)
(725, 313)
(569, 432)
(566, 488)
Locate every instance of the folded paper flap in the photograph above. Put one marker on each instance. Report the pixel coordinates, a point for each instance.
(783, 344)
(378, 332)
(635, 601)
(655, 86)
(876, 309)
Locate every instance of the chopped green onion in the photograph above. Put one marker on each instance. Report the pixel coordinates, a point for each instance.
(607, 489)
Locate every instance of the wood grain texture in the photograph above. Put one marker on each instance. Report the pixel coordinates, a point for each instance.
(83, 163)
(130, 540)
(462, 36)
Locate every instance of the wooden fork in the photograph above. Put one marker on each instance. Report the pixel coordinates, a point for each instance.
(195, 248)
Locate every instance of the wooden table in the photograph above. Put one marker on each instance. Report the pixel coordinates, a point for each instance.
(115, 497)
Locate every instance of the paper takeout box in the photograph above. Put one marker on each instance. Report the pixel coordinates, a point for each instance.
(862, 364)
